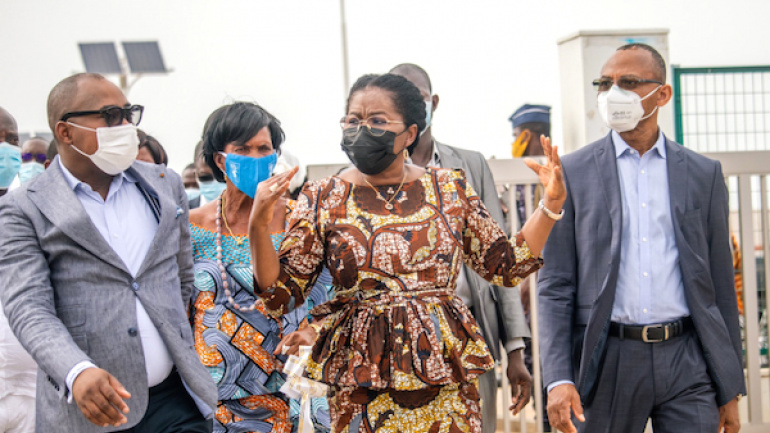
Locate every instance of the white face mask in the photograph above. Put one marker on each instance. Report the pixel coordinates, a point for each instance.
(622, 109)
(118, 146)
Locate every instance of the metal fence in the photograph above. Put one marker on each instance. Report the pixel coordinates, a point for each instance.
(748, 177)
(722, 109)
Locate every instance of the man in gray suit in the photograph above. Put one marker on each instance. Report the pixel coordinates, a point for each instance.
(497, 310)
(638, 314)
(96, 271)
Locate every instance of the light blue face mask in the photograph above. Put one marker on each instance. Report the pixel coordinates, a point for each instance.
(10, 163)
(192, 193)
(29, 171)
(428, 109)
(210, 190)
(246, 172)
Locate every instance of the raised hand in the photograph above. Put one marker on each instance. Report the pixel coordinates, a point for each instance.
(550, 173)
(268, 193)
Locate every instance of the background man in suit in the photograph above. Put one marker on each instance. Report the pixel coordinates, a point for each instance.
(497, 310)
(644, 241)
(96, 271)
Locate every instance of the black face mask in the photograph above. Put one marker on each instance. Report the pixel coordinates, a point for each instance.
(370, 154)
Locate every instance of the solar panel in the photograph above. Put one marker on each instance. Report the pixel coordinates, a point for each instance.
(144, 57)
(100, 57)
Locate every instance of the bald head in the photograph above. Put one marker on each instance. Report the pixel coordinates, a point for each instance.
(35, 146)
(9, 131)
(64, 96)
(416, 75)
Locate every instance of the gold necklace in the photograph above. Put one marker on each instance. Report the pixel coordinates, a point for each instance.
(238, 239)
(388, 203)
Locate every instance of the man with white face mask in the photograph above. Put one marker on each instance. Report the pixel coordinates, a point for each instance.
(638, 317)
(96, 271)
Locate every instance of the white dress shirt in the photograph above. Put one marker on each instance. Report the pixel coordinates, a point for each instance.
(127, 223)
(18, 371)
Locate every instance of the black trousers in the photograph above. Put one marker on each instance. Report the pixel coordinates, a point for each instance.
(172, 410)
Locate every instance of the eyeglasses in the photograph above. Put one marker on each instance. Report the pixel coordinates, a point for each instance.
(351, 125)
(206, 178)
(625, 83)
(112, 114)
(39, 157)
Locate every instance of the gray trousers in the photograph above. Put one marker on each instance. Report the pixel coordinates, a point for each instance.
(667, 382)
(488, 392)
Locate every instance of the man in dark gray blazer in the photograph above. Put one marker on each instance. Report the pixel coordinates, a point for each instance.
(96, 271)
(497, 310)
(638, 313)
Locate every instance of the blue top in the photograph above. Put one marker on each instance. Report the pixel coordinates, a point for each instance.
(650, 288)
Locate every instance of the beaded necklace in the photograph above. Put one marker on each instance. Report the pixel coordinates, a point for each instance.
(221, 267)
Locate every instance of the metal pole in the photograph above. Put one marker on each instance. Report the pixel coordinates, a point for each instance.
(344, 35)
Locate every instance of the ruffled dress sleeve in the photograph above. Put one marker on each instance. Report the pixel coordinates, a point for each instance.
(301, 255)
(486, 248)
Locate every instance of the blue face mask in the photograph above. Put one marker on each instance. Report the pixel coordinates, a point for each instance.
(210, 190)
(192, 193)
(10, 163)
(246, 172)
(30, 170)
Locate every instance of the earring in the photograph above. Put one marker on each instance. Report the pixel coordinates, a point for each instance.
(406, 154)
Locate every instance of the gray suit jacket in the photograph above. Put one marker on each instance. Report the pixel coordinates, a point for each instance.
(70, 298)
(582, 257)
(497, 310)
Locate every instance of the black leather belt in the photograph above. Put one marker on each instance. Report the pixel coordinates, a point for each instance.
(651, 333)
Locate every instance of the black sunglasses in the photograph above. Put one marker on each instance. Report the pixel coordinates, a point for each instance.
(39, 157)
(112, 114)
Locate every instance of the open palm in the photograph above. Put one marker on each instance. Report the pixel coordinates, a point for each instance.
(550, 173)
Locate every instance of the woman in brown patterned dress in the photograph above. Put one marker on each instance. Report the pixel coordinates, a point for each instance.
(399, 349)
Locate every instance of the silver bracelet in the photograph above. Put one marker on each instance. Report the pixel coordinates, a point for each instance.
(552, 215)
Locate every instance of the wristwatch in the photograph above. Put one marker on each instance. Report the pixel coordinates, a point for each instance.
(548, 213)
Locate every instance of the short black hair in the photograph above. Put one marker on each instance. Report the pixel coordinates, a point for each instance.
(659, 62)
(406, 97)
(237, 123)
(411, 67)
(158, 153)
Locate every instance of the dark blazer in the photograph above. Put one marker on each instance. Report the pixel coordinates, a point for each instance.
(582, 257)
(70, 298)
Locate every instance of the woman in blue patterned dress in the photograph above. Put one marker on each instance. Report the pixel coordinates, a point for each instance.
(234, 336)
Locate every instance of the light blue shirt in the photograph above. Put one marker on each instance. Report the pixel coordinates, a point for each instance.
(126, 221)
(649, 288)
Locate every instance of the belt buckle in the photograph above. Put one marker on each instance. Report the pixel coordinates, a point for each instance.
(657, 340)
